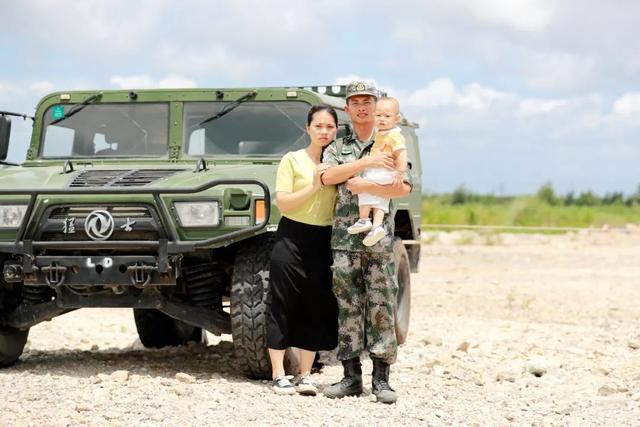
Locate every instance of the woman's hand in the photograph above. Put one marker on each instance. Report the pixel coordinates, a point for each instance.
(323, 167)
(317, 176)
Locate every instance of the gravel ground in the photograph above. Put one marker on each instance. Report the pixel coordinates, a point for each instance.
(506, 330)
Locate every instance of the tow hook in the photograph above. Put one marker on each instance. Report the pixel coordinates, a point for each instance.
(54, 274)
(12, 273)
(140, 274)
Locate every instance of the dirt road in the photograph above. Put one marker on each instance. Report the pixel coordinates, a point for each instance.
(506, 330)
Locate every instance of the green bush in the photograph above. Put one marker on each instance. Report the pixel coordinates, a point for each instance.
(547, 194)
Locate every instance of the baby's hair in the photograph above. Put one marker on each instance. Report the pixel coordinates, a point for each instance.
(391, 99)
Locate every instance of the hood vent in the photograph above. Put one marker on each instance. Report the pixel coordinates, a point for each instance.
(120, 178)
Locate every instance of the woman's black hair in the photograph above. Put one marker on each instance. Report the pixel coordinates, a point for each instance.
(321, 107)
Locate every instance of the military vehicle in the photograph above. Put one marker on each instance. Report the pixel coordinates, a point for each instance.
(162, 201)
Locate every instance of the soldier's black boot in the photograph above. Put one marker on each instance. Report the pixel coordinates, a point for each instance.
(351, 384)
(380, 382)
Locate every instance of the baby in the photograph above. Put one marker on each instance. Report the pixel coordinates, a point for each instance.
(388, 139)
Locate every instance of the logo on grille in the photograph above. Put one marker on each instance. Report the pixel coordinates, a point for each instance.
(99, 225)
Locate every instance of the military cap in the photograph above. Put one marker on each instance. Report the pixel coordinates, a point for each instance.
(361, 88)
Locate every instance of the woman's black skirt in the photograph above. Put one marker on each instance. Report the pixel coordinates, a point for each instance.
(304, 310)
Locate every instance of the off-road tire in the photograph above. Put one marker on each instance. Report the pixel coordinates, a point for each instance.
(250, 303)
(157, 330)
(402, 309)
(12, 343)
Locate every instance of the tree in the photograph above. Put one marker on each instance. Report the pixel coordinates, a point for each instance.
(547, 194)
(570, 199)
(460, 196)
(588, 198)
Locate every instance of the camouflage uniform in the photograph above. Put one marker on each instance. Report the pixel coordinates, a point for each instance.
(364, 278)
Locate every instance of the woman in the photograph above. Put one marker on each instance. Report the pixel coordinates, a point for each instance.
(304, 311)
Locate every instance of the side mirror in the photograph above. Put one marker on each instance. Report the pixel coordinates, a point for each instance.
(5, 133)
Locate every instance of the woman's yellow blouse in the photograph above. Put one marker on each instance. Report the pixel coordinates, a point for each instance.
(295, 172)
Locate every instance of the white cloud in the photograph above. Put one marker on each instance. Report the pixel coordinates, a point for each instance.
(439, 93)
(5, 88)
(130, 82)
(147, 82)
(521, 15)
(567, 45)
(175, 81)
(42, 87)
(628, 105)
(476, 110)
(8, 93)
(480, 98)
(443, 93)
(532, 107)
(107, 27)
(214, 59)
(230, 39)
(558, 70)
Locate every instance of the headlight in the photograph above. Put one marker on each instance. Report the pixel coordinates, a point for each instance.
(198, 214)
(11, 216)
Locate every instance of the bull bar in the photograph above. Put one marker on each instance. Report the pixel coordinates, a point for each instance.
(174, 245)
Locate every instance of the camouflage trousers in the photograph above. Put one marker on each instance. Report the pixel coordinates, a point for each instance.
(366, 287)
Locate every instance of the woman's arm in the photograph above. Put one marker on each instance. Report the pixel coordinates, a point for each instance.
(290, 201)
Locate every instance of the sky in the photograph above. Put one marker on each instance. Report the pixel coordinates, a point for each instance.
(509, 94)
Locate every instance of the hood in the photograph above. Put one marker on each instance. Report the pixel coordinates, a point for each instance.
(158, 175)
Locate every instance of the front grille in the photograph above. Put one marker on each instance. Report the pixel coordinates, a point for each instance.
(67, 223)
(80, 236)
(115, 211)
(120, 178)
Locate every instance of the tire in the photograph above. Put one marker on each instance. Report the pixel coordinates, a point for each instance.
(12, 343)
(402, 309)
(250, 303)
(157, 330)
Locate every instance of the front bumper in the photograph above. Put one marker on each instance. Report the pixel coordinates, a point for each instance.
(86, 271)
(167, 244)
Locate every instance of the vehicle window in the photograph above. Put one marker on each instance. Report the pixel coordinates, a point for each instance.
(108, 130)
(58, 141)
(252, 128)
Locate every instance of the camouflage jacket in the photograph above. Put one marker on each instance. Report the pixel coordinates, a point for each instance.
(346, 150)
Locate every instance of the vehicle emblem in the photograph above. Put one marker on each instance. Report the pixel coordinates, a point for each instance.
(99, 225)
(128, 226)
(69, 225)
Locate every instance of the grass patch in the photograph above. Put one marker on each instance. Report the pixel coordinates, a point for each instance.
(525, 211)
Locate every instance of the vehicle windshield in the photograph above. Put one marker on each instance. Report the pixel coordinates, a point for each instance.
(251, 129)
(106, 130)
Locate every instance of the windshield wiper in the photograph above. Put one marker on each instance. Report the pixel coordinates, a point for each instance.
(2, 162)
(77, 108)
(230, 106)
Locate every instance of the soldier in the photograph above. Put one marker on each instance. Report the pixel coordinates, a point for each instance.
(364, 278)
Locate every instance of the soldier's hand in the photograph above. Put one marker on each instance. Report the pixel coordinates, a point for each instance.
(357, 185)
(398, 179)
(381, 160)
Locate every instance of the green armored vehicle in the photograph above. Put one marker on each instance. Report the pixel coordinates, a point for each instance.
(161, 201)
